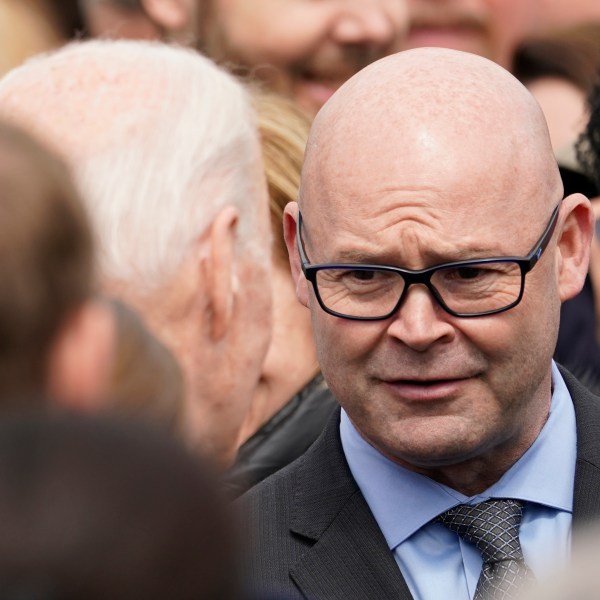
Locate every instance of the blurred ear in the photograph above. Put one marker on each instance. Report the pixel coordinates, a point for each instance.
(172, 15)
(219, 271)
(290, 218)
(81, 359)
(574, 245)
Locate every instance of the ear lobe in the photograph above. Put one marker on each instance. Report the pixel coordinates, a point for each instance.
(290, 217)
(220, 271)
(172, 15)
(81, 359)
(574, 245)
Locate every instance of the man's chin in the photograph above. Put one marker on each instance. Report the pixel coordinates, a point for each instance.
(423, 445)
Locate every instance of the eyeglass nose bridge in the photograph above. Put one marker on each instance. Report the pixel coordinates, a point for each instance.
(424, 278)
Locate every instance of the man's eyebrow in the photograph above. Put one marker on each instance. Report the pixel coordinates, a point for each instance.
(432, 257)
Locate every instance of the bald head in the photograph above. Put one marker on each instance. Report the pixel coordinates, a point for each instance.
(433, 107)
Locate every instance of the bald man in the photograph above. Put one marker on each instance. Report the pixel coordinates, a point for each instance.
(433, 248)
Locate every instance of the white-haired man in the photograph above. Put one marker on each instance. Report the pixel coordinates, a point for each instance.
(164, 147)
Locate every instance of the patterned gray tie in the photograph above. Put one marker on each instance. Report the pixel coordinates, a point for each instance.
(493, 527)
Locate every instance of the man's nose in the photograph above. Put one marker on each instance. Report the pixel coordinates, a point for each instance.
(421, 322)
(373, 23)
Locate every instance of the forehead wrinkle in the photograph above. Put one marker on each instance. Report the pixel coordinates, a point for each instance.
(404, 240)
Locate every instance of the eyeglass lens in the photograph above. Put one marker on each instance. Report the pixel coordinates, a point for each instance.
(473, 289)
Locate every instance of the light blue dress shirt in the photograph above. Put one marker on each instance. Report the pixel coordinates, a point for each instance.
(434, 561)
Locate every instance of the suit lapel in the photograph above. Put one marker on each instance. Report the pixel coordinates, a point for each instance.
(586, 495)
(350, 557)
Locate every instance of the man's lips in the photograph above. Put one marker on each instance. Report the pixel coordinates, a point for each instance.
(428, 389)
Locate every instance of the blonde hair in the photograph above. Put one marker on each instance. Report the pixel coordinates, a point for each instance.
(283, 129)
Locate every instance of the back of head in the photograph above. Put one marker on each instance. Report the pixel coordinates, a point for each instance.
(159, 139)
(96, 509)
(46, 259)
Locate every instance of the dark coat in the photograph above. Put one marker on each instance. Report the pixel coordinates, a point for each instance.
(283, 438)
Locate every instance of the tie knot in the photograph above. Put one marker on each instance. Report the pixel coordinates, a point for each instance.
(492, 526)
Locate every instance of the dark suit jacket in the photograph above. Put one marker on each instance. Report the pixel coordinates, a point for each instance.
(312, 534)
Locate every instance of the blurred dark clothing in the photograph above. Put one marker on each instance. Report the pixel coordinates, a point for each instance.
(284, 437)
(577, 347)
(95, 508)
(576, 182)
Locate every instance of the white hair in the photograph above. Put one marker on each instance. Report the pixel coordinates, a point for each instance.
(159, 138)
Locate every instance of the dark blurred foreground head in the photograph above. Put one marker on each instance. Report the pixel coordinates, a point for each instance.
(46, 268)
(95, 509)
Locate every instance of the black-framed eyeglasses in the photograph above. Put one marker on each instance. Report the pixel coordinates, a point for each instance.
(465, 288)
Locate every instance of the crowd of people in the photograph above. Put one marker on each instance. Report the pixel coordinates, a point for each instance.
(299, 300)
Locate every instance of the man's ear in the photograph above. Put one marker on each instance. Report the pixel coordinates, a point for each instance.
(574, 245)
(290, 217)
(171, 15)
(81, 358)
(219, 271)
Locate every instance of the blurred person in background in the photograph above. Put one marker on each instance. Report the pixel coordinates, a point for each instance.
(164, 147)
(55, 338)
(301, 48)
(587, 340)
(128, 19)
(107, 509)
(490, 28)
(560, 68)
(292, 402)
(27, 27)
(579, 580)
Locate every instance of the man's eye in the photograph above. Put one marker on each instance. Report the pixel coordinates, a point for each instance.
(469, 272)
(361, 275)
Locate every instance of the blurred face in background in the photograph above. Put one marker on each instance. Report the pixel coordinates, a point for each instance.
(562, 13)
(564, 106)
(490, 28)
(304, 48)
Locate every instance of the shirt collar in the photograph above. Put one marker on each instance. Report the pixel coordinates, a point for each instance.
(403, 501)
